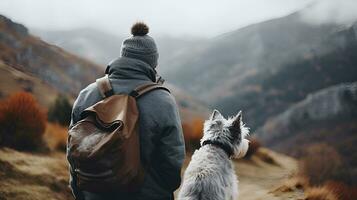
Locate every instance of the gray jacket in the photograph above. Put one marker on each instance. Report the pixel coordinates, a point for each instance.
(161, 138)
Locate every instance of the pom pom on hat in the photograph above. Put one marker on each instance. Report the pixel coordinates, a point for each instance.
(139, 29)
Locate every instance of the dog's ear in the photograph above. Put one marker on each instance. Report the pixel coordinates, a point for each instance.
(237, 120)
(216, 115)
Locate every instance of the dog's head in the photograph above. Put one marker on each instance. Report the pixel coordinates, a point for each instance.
(230, 132)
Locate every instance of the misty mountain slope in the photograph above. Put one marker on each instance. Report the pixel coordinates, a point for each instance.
(89, 43)
(62, 70)
(265, 67)
(224, 62)
(269, 93)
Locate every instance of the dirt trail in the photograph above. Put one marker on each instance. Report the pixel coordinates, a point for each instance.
(26, 176)
(258, 178)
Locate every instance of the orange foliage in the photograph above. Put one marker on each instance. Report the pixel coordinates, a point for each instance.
(22, 122)
(193, 132)
(56, 136)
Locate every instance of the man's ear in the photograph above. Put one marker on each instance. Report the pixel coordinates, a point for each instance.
(237, 120)
(216, 115)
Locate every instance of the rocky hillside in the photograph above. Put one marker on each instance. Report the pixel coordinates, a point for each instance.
(14, 80)
(336, 103)
(328, 116)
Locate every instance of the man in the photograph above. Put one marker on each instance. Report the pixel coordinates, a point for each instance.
(161, 140)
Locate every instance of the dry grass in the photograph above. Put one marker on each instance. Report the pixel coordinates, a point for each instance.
(321, 163)
(266, 156)
(320, 193)
(302, 185)
(28, 176)
(293, 184)
(56, 136)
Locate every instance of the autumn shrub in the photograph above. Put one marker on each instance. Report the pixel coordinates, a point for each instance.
(56, 136)
(254, 145)
(60, 111)
(193, 131)
(22, 122)
(320, 163)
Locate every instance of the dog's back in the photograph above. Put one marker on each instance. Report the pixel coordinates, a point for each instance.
(209, 176)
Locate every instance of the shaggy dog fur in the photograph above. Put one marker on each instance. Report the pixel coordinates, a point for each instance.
(210, 174)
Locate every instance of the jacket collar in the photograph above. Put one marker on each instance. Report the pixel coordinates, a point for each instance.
(129, 68)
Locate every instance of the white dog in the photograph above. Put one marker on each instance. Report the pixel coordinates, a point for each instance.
(210, 174)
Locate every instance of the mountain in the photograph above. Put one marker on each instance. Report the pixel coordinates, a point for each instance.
(64, 71)
(266, 67)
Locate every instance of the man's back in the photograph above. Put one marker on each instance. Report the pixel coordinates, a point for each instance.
(161, 140)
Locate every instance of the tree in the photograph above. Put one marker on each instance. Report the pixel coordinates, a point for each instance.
(60, 111)
(22, 122)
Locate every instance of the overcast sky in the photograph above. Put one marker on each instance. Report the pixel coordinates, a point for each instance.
(180, 17)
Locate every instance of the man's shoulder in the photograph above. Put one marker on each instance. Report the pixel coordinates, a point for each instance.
(159, 96)
(91, 88)
(88, 96)
(159, 106)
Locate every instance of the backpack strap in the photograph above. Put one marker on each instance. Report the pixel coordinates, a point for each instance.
(143, 89)
(104, 86)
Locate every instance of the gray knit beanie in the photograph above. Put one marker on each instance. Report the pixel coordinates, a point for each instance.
(140, 45)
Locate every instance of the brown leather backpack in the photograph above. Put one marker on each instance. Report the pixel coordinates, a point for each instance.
(103, 147)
